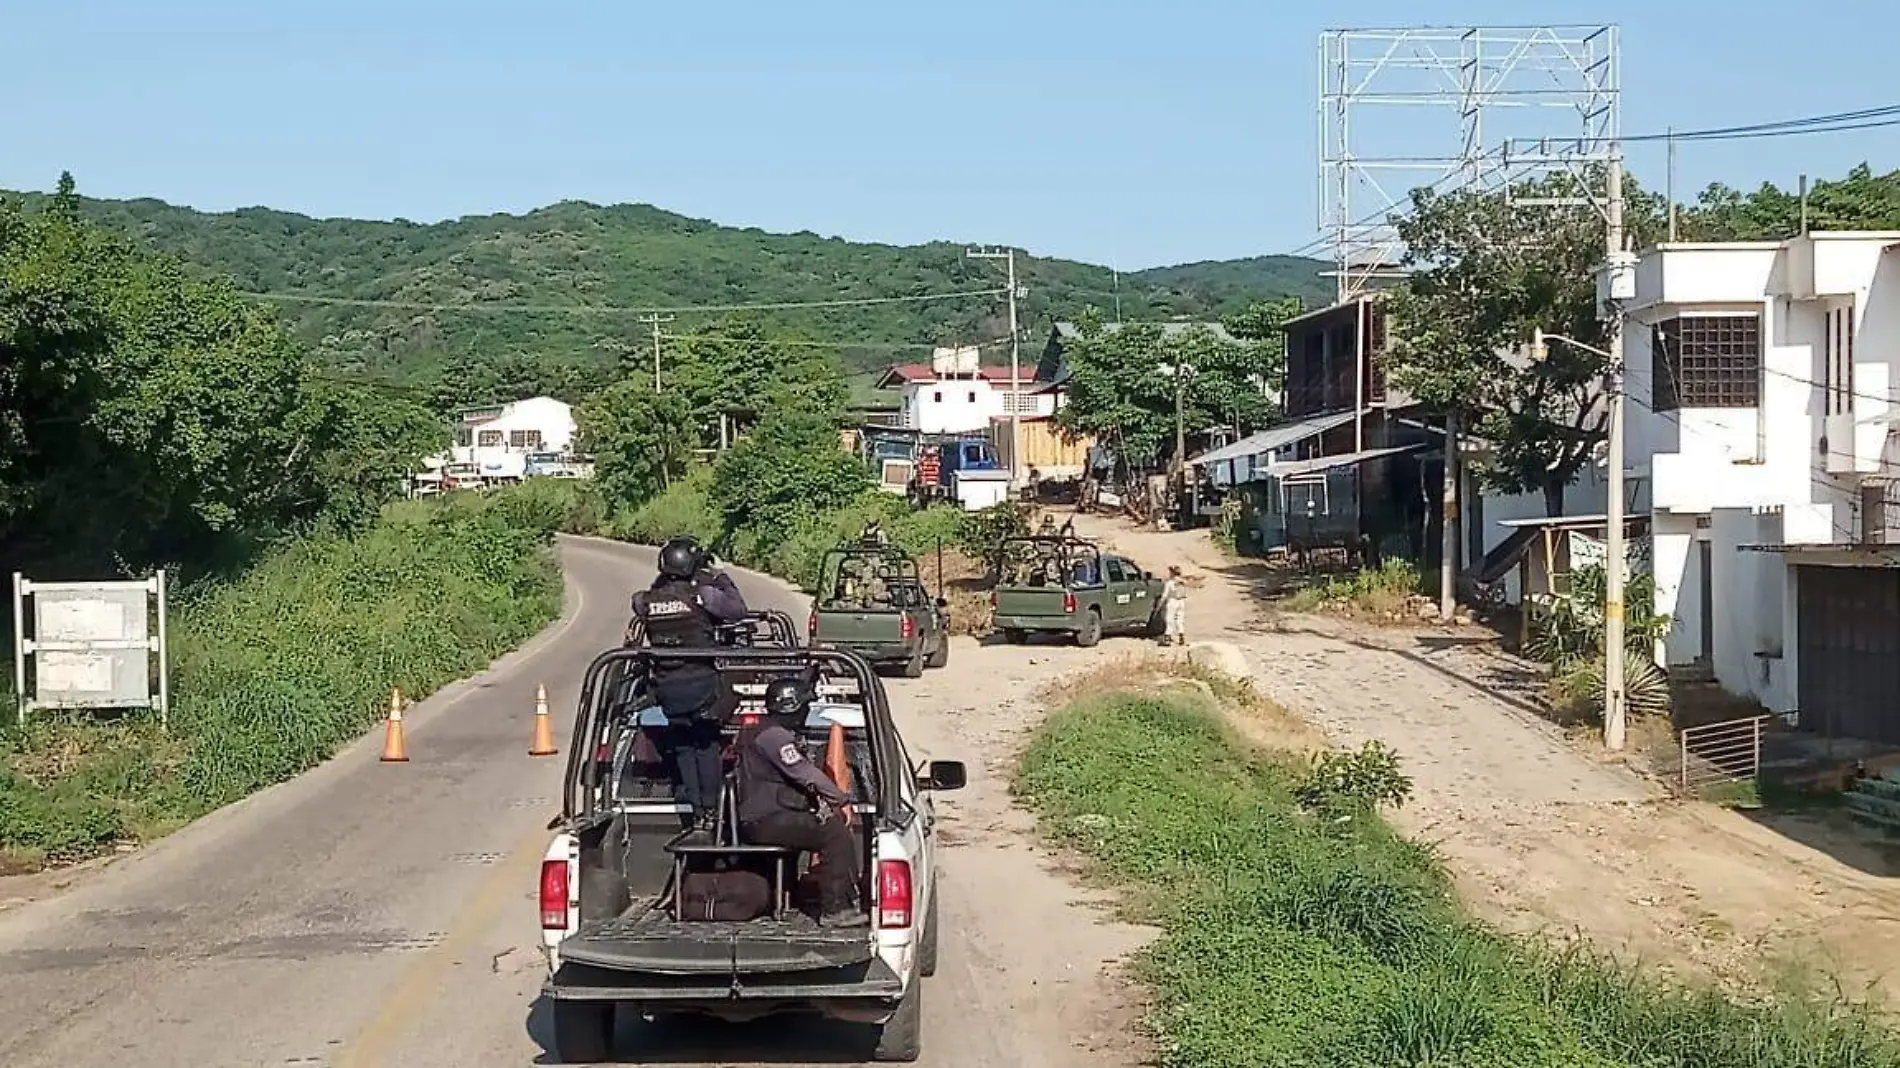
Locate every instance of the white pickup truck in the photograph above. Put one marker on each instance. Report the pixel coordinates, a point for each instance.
(615, 935)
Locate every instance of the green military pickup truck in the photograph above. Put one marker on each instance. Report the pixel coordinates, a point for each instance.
(1061, 584)
(870, 601)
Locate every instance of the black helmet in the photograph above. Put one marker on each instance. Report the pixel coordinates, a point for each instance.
(681, 557)
(788, 698)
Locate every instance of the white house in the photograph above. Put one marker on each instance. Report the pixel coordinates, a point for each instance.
(1760, 385)
(498, 439)
(954, 395)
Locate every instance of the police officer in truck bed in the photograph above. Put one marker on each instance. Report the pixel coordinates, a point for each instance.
(786, 800)
(686, 602)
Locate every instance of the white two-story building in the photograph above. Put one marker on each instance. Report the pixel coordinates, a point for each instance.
(498, 440)
(1760, 382)
(953, 394)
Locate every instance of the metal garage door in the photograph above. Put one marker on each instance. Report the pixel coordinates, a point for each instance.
(1848, 641)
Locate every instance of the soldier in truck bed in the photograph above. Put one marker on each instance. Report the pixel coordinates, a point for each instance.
(786, 800)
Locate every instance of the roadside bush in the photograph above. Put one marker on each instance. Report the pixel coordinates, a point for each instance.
(685, 507)
(1286, 940)
(273, 672)
(1380, 592)
(985, 531)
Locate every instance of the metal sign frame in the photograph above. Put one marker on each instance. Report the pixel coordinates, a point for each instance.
(82, 636)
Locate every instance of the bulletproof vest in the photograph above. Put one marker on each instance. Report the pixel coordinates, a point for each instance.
(673, 616)
(763, 789)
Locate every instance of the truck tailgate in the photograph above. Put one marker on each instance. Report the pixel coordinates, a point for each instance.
(848, 628)
(1024, 602)
(654, 942)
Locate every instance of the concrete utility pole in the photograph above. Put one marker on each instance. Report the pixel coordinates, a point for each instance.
(1015, 364)
(1615, 727)
(1448, 537)
(654, 321)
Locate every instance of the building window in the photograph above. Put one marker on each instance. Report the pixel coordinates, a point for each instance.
(524, 439)
(1707, 361)
(1839, 345)
(488, 439)
(1019, 402)
(937, 397)
(464, 437)
(972, 396)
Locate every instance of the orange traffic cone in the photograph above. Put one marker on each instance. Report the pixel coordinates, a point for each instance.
(543, 744)
(394, 752)
(837, 767)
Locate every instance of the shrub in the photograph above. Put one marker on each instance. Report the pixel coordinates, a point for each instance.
(271, 673)
(685, 507)
(1382, 592)
(985, 531)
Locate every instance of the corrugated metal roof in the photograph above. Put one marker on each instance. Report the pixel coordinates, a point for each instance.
(1327, 463)
(1274, 438)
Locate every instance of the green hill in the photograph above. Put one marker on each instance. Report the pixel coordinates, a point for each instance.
(634, 256)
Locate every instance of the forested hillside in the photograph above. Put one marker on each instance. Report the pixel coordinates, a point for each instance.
(635, 256)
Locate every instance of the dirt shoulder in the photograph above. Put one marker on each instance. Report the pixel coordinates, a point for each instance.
(1538, 833)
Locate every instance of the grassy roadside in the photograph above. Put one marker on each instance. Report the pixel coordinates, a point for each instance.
(1298, 929)
(273, 672)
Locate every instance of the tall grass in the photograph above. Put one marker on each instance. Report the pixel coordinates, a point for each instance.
(1382, 591)
(1294, 938)
(272, 672)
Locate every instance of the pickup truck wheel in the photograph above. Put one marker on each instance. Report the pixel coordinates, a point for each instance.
(941, 657)
(901, 1038)
(914, 667)
(1091, 632)
(583, 1031)
(1015, 635)
(927, 945)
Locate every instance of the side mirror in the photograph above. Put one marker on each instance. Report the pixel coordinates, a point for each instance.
(941, 775)
(943, 602)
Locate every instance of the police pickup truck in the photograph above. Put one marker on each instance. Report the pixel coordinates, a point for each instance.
(618, 937)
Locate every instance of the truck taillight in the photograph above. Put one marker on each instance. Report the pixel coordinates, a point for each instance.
(893, 893)
(909, 628)
(811, 624)
(1068, 601)
(554, 895)
(992, 598)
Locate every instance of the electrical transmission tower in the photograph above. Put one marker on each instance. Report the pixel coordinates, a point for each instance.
(1452, 108)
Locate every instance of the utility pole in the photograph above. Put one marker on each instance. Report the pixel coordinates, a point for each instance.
(1015, 364)
(1448, 536)
(654, 321)
(1615, 727)
(1670, 183)
(1180, 421)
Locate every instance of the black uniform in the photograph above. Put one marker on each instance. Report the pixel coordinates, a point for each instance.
(681, 613)
(777, 789)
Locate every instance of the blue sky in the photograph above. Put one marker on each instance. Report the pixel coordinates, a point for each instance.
(1105, 131)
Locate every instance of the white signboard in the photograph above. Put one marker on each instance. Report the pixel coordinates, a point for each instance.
(85, 621)
(1586, 551)
(71, 675)
(90, 645)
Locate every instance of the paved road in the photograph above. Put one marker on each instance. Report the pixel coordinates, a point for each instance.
(367, 914)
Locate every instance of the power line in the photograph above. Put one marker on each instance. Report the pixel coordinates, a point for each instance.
(880, 346)
(605, 309)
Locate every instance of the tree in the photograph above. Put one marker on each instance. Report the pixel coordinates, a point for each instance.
(737, 368)
(1862, 200)
(1123, 381)
(153, 415)
(640, 440)
(789, 469)
(1487, 271)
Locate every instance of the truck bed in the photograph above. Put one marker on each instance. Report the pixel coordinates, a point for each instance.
(649, 940)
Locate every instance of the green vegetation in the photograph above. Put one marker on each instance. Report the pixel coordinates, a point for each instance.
(276, 670)
(1298, 929)
(632, 255)
(1124, 378)
(151, 416)
(1568, 635)
(1379, 592)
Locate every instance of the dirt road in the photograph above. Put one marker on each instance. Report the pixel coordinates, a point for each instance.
(1539, 834)
(385, 915)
